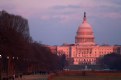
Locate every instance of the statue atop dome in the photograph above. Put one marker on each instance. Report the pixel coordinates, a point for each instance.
(84, 14)
(84, 18)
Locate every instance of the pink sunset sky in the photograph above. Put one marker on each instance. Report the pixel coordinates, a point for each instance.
(54, 22)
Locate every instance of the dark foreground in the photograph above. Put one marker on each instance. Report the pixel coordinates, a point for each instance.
(87, 75)
(33, 77)
(75, 75)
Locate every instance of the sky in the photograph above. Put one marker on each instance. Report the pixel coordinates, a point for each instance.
(54, 22)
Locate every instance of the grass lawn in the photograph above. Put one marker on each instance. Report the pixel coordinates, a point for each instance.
(87, 78)
(87, 75)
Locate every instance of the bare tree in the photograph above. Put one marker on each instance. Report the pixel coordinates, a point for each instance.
(15, 41)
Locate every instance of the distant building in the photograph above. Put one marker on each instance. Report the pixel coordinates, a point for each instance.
(85, 50)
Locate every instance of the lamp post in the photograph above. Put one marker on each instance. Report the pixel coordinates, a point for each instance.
(10, 67)
(0, 67)
(7, 66)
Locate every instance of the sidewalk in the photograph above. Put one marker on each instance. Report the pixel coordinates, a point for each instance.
(33, 77)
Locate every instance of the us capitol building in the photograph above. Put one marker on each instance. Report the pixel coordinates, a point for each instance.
(85, 50)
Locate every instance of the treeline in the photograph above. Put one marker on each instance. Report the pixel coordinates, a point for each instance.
(19, 52)
(110, 61)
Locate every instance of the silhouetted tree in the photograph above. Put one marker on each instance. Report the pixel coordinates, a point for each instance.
(46, 60)
(29, 56)
(14, 40)
(112, 61)
(14, 34)
(62, 61)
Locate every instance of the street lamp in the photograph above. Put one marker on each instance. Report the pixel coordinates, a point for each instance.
(10, 66)
(0, 67)
(7, 57)
(0, 56)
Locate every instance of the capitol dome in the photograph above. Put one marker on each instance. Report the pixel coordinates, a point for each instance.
(85, 34)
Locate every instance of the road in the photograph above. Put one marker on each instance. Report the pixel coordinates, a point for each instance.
(33, 77)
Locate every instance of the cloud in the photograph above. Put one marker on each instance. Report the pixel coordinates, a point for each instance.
(61, 9)
(112, 15)
(63, 12)
(66, 7)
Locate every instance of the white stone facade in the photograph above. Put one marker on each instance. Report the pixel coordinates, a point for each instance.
(86, 54)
